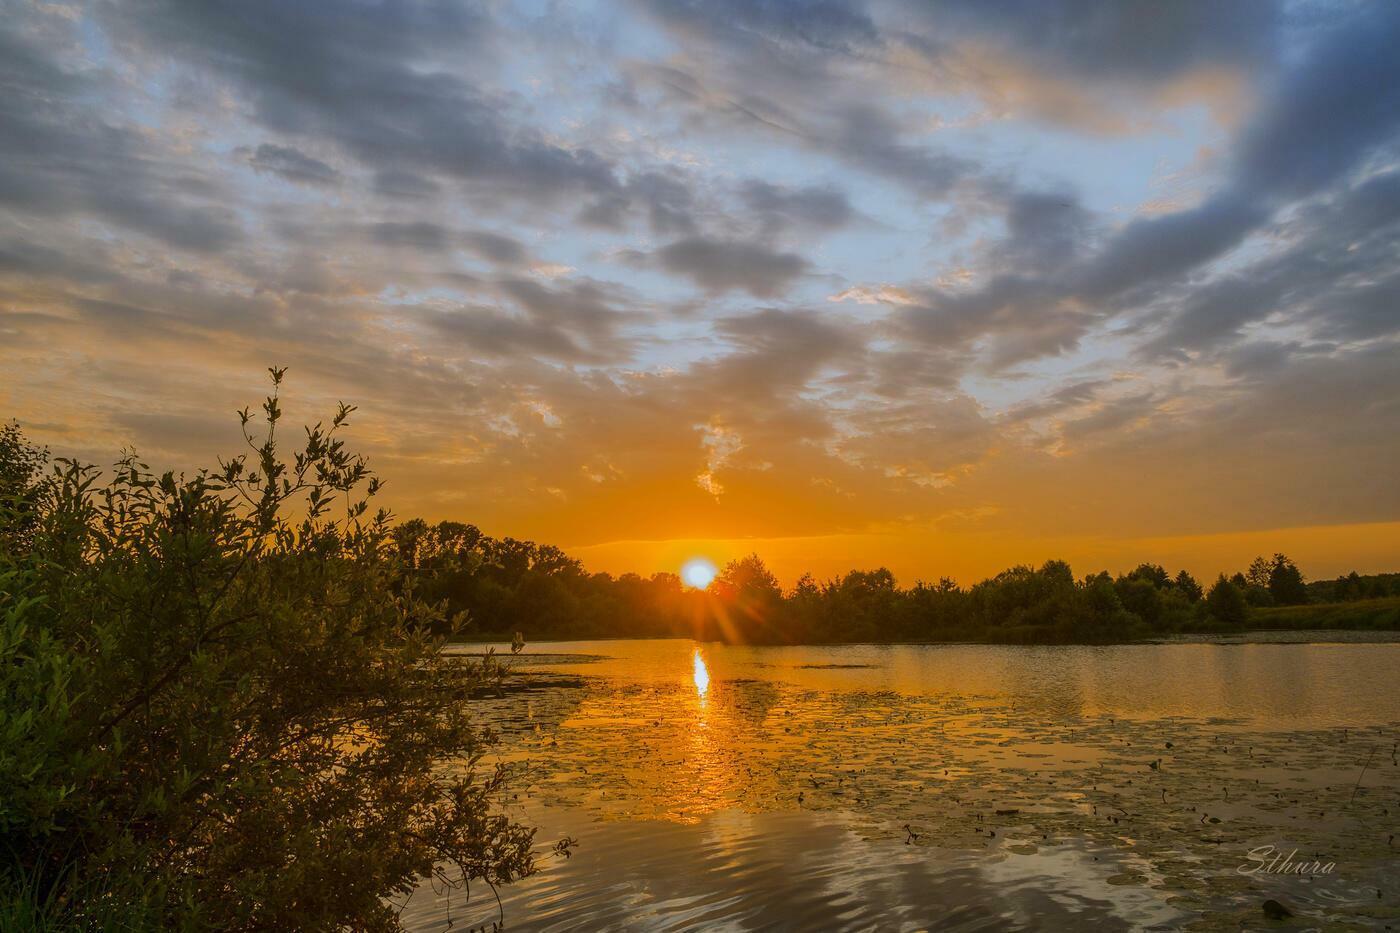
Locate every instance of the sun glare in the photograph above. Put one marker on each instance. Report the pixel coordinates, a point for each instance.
(701, 674)
(698, 572)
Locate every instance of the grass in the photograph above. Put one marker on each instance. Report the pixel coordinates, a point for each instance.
(77, 906)
(1365, 614)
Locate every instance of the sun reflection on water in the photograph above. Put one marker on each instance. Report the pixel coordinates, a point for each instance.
(702, 674)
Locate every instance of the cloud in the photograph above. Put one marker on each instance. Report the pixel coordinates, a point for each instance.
(1151, 249)
(578, 321)
(358, 78)
(499, 249)
(292, 164)
(60, 156)
(429, 237)
(1324, 278)
(718, 266)
(802, 209)
(420, 234)
(794, 73)
(1045, 231)
(1330, 113)
(1079, 63)
(393, 183)
(1164, 262)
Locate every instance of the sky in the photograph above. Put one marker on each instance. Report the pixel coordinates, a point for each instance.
(939, 286)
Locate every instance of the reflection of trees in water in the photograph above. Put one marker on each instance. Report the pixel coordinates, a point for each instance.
(1036, 679)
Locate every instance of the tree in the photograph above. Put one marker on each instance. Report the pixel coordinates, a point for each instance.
(1058, 573)
(749, 598)
(1155, 574)
(1188, 587)
(748, 579)
(1225, 603)
(1348, 588)
(804, 589)
(862, 604)
(1140, 596)
(21, 489)
(1105, 610)
(1259, 572)
(217, 716)
(1286, 584)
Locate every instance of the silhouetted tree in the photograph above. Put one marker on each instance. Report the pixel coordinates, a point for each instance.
(1140, 596)
(749, 598)
(1188, 587)
(1225, 603)
(1286, 582)
(1258, 572)
(1349, 587)
(1155, 574)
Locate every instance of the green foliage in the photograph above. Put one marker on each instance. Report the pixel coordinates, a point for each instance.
(509, 586)
(748, 579)
(748, 598)
(1141, 597)
(1225, 603)
(1272, 581)
(1286, 583)
(1187, 586)
(1155, 574)
(1354, 586)
(214, 715)
(1366, 614)
(21, 466)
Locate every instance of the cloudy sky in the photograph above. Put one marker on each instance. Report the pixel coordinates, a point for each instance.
(942, 286)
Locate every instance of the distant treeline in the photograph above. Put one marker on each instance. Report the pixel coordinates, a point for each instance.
(1353, 587)
(507, 586)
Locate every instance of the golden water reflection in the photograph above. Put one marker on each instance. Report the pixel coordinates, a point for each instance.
(701, 674)
(1176, 757)
(676, 730)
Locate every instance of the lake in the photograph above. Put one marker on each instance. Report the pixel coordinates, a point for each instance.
(962, 787)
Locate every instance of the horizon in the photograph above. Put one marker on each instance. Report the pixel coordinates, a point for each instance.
(924, 288)
(1321, 554)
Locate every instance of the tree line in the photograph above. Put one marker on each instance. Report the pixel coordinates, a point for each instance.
(507, 585)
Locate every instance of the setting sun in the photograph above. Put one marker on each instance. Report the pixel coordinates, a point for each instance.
(698, 572)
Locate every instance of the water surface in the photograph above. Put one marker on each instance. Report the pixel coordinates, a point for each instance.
(949, 787)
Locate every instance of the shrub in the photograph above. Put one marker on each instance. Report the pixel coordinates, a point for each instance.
(214, 714)
(1225, 603)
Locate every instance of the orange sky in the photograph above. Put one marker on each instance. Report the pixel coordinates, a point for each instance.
(876, 284)
(1321, 552)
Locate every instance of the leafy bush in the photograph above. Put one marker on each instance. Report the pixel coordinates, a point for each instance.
(1226, 604)
(222, 703)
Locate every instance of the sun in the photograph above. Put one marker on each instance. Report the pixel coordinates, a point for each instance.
(698, 572)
